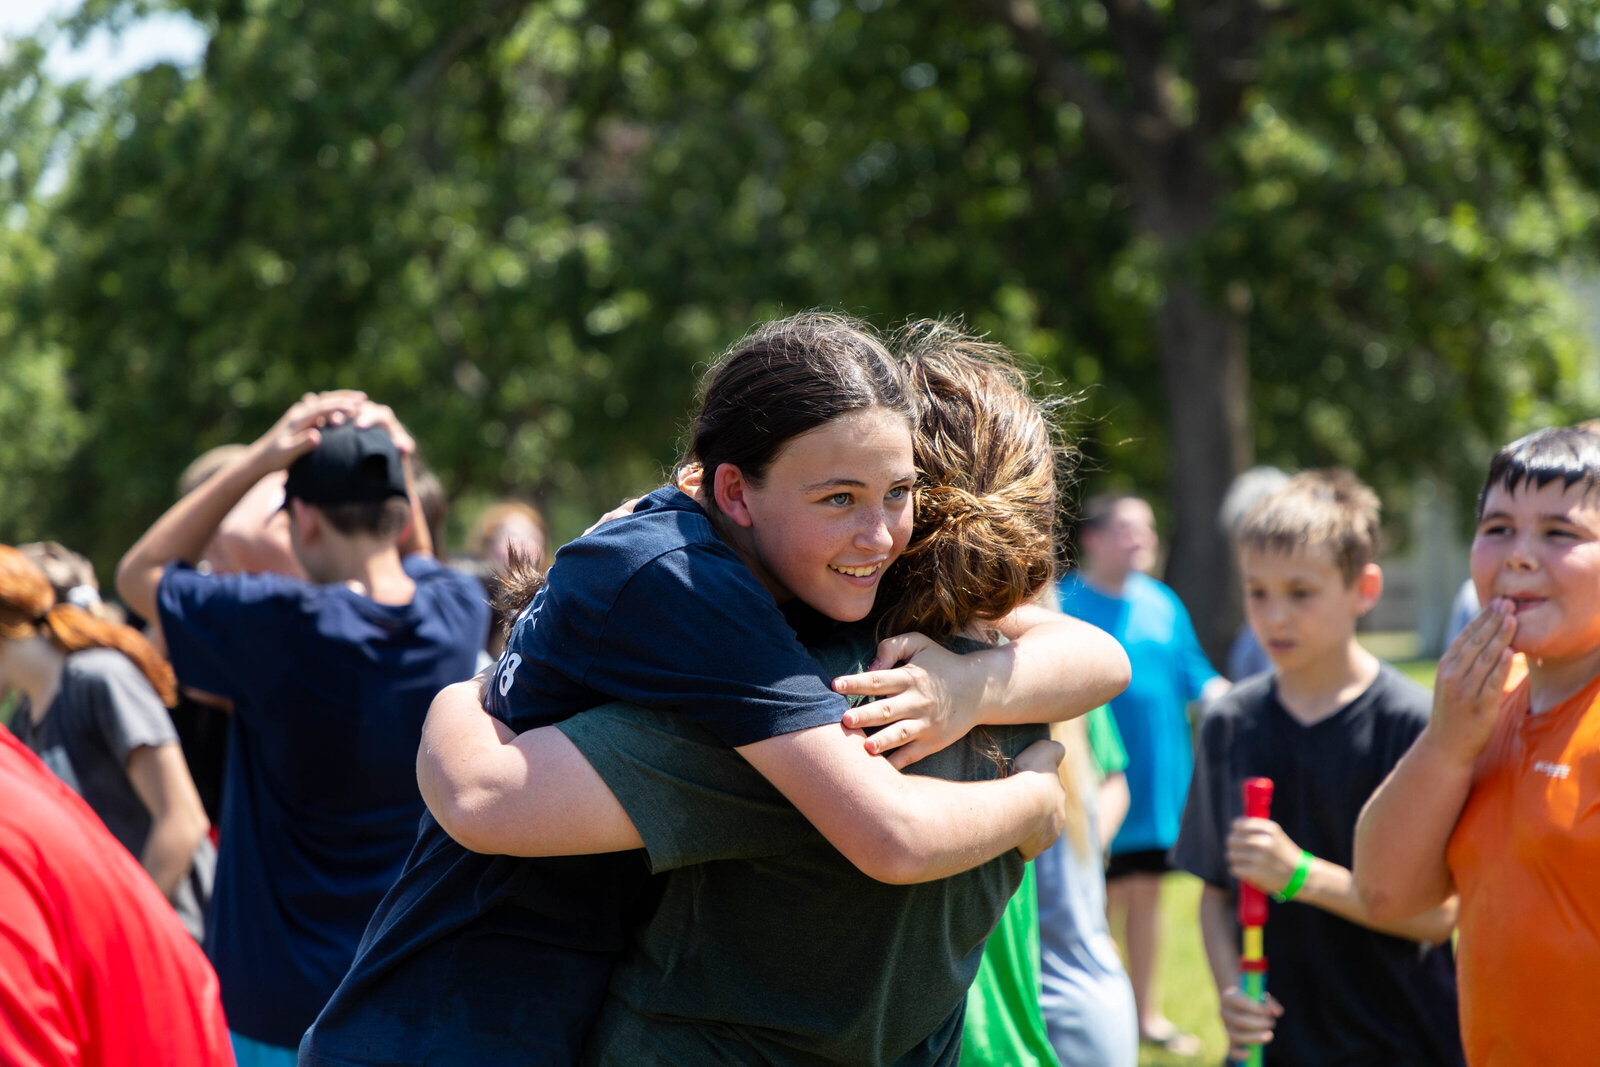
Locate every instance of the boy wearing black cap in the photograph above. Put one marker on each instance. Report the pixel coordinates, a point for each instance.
(330, 680)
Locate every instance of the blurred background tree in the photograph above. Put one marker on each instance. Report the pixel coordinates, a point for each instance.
(1291, 233)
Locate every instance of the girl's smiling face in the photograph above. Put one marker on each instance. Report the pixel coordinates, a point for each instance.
(831, 513)
(1539, 546)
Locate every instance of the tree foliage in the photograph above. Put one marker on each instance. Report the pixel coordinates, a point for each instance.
(526, 224)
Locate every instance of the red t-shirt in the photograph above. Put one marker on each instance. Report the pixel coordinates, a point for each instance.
(96, 970)
(1525, 856)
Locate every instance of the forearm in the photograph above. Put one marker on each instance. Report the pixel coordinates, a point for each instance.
(169, 850)
(183, 531)
(1400, 868)
(900, 828)
(160, 779)
(1332, 888)
(529, 794)
(466, 767)
(1055, 667)
(416, 537)
(1220, 938)
(253, 537)
(1111, 806)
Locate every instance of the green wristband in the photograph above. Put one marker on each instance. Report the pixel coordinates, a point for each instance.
(1296, 880)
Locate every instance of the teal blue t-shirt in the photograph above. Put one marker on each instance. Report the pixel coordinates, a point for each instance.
(1169, 670)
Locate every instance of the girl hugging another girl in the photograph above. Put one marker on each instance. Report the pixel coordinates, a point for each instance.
(809, 874)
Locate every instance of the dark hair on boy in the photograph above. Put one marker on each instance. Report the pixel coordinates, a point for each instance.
(1570, 454)
(376, 518)
(1330, 508)
(989, 465)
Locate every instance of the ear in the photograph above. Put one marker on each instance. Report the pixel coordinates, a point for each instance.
(1369, 587)
(307, 520)
(731, 490)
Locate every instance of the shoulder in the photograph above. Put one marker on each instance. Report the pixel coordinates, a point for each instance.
(182, 584)
(436, 577)
(1243, 704)
(1395, 696)
(103, 680)
(666, 526)
(668, 551)
(1078, 597)
(1146, 590)
(98, 667)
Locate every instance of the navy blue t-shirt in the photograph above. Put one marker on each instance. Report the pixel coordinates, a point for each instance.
(329, 691)
(475, 959)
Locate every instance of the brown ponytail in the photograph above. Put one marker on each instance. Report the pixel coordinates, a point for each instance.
(28, 608)
(988, 465)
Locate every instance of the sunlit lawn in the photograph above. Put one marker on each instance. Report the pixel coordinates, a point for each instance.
(1187, 994)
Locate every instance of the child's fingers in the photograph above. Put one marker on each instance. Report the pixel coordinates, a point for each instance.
(895, 735)
(873, 684)
(1476, 677)
(1470, 641)
(1466, 666)
(897, 649)
(906, 755)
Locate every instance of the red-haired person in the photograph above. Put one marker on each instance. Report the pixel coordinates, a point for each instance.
(94, 708)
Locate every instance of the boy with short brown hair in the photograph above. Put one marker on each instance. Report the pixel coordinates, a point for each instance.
(1326, 725)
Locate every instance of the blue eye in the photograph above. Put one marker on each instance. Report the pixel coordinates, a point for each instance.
(900, 492)
(840, 499)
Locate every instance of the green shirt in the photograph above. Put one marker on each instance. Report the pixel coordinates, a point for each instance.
(1005, 1026)
(769, 946)
(1105, 743)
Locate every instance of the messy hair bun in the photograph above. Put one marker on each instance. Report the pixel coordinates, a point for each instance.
(988, 466)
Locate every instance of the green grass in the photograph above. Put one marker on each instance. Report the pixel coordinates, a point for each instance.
(1188, 996)
(1419, 670)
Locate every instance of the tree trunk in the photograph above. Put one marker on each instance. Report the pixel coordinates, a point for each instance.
(1204, 363)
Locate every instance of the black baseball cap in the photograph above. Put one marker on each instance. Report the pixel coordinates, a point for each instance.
(349, 465)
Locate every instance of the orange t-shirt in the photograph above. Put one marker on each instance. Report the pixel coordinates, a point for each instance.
(1525, 856)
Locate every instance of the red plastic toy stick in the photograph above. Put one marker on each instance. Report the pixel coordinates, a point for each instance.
(1253, 910)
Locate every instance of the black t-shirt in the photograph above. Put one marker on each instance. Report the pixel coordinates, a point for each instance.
(1351, 996)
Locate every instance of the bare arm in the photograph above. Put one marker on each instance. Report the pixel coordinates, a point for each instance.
(1259, 852)
(537, 795)
(1401, 838)
(903, 828)
(1112, 801)
(529, 794)
(183, 531)
(253, 537)
(1219, 937)
(1054, 667)
(177, 820)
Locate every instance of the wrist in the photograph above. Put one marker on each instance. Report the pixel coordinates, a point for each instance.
(1444, 754)
(258, 460)
(1297, 880)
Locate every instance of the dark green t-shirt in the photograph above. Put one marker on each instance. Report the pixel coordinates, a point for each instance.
(769, 946)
